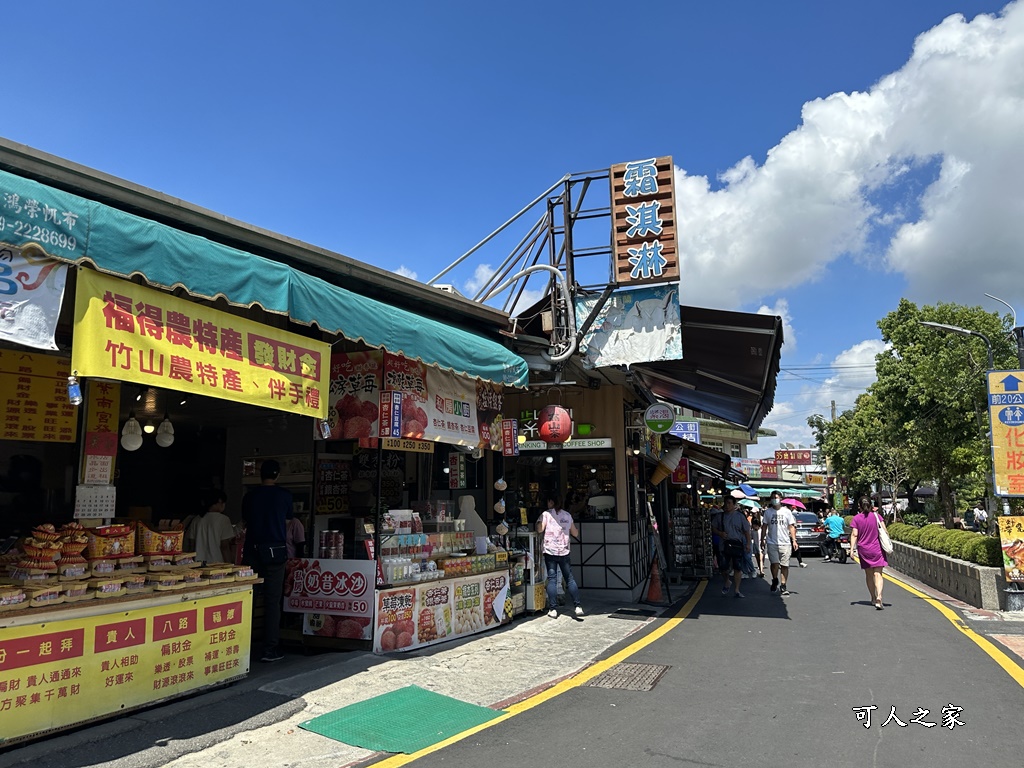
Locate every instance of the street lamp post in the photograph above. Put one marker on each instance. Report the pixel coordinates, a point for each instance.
(991, 366)
(964, 332)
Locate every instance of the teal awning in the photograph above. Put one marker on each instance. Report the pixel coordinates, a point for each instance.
(75, 229)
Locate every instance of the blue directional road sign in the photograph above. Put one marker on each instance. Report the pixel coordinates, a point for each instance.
(688, 430)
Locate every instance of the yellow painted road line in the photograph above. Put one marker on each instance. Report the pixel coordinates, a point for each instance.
(581, 677)
(1009, 665)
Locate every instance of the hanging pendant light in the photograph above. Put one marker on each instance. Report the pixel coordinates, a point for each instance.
(165, 433)
(131, 434)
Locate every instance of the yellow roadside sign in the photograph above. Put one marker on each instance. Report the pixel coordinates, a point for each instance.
(1006, 416)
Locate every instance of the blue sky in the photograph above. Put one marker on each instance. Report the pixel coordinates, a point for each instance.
(831, 157)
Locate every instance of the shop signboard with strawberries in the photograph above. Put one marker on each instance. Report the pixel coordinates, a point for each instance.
(336, 596)
(376, 394)
(434, 611)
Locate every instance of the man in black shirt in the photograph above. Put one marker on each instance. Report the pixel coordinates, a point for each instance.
(265, 509)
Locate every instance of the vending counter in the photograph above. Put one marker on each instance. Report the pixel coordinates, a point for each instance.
(68, 664)
(341, 605)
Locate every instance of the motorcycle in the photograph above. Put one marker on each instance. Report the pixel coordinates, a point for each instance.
(837, 549)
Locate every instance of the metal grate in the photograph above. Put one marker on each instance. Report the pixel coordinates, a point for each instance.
(630, 677)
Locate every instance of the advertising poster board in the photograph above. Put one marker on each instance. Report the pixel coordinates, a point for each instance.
(1011, 540)
(434, 611)
(55, 674)
(336, 596)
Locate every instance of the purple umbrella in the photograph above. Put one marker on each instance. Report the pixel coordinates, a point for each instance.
(794, 503)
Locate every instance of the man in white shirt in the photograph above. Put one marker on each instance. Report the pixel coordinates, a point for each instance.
(779, 541)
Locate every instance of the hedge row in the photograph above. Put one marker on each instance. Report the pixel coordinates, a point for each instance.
(963, 545)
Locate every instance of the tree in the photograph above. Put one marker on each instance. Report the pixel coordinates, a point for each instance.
(925, 417)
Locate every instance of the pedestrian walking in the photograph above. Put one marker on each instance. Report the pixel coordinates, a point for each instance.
(754, 518)
(557, 526)
(796, 550)
(265, 510)
(865, 545)
(980, 518)
(779, 541)
(734, 531)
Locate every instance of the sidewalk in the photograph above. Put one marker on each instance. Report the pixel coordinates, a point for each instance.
(256, 721)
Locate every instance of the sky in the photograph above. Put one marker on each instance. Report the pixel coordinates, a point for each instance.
(830, 158)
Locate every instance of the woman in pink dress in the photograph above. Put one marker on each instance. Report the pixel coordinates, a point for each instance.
(865, 545)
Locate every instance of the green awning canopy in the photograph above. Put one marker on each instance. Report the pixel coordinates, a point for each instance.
(74, 229)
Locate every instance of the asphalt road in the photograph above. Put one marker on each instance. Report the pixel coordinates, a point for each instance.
(778, 681)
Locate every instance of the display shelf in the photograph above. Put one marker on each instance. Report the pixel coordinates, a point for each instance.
(690, 534)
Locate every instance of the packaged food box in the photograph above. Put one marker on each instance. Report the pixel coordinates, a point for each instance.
(160, 563)
(107, 587)
(73, 571)
(111, 541)
(219, 574)
(12, 598)
(102, 568)
(164, 581)
(244, 573)
(76, 591)
(150, 542)
(185, 558)
(192, 578)
(135, 584)
(134, 564)
(43, 597)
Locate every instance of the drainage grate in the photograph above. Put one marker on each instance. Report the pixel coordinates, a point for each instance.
(636, 614)
(630, 677)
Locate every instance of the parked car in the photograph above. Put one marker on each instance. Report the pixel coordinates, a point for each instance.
(810, 533)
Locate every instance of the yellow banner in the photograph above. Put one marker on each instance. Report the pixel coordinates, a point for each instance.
(1006, 416)
(34, 391)
(130, 333)
(58, 673)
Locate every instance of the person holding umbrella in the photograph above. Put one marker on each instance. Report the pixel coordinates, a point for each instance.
(793, 505)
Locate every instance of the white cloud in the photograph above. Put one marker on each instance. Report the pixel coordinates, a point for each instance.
(404, 271)
(849, 375)
(781, 309)
(957, 103)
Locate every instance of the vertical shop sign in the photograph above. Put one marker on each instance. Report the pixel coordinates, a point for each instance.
(33, 390)
(509, 437)
(643, 221)
(131, 333)
(456, 470)
(1006, 417)
(332, 485)
(103, 402)
(31, 292)
(769, 469)
(390, 414)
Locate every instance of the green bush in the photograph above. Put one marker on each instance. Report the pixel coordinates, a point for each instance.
(989, 552)
(930, 534)
(913, 536)
(896, 531)
(953, 542)
(916, 519)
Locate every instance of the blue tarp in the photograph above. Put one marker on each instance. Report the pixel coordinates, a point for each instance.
(75, 229)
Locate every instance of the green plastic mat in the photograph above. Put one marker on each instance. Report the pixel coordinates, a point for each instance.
(405, 720)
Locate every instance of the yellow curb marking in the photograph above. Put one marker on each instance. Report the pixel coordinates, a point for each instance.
(1009, 666)
(558, 689)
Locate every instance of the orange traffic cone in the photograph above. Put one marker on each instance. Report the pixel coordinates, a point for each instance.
(654, 591)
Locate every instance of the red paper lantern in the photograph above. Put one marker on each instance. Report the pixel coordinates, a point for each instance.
(554, 424)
